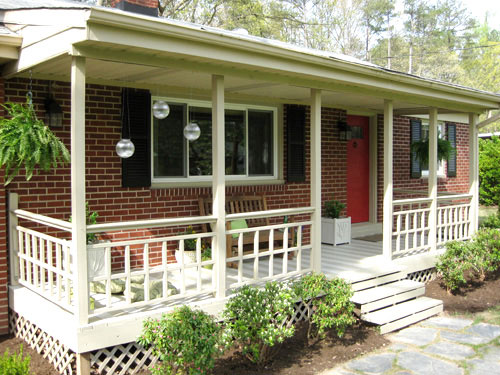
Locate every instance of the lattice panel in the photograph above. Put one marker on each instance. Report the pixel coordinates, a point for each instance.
(423, 276)
(59, 355)
(301, 311)
(124, 359)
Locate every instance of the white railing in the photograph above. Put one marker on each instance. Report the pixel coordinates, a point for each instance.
(268, 252)
(411, 223)
(44, 262)
(453, 218)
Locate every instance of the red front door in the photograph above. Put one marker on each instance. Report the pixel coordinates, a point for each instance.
(358, 173)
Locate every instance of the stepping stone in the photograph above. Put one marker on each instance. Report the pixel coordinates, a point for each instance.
(463, 338)
(396, 347)
(489, 331)
(449, 323)
(416, 336)
(450, 351)
(373, 364)
(421, 364)
(483, 367)
(491, 353)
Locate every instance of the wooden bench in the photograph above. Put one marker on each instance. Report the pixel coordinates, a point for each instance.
(245, 204)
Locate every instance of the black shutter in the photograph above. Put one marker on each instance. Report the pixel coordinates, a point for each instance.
(296, 143)
(416, 135)
(451, 130)
(136, 107)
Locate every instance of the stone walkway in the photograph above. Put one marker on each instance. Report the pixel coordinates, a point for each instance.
(437, 346)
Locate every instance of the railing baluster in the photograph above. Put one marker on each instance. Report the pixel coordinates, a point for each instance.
(59, 269)
(29, 262)
(183, 279)
(271, 250)
(22, 252)
(299, 248)
(34, 248)
(164, 263)
(407, 231)
(398, 233)
(146, 271)
(50, 256)
(107, 267)
(256, 255)
(285, 254)
(67, 269)
(198, 261)
(240, 257)
(43, 269)
(128, 277)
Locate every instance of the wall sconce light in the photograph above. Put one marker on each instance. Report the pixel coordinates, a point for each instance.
(53, 113)
(345, 132)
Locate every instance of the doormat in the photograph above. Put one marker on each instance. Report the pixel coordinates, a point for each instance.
(371, 238)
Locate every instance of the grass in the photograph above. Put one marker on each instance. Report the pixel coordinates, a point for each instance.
(485, 211)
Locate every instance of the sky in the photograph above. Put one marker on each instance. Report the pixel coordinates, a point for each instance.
(478, 8)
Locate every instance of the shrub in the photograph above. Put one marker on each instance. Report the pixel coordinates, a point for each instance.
(489, 240)
(492, 221)
(330, 304)
(489, 173)
(15, 364)
(259, 319)
(453, 264)
(187, 341)
(333, 208)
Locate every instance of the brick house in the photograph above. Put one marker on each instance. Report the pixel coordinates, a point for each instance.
(295, 127)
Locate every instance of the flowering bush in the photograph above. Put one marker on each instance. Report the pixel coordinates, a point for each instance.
(330, 305)
(187, 341)
(258, 319)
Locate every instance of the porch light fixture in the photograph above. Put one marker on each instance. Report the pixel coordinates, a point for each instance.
(161, 109)
(53, 113)
(345, 132)
(192, 131)
(125, 148)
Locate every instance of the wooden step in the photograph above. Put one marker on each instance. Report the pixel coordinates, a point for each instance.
(378, 280)
(387, 295)
(404, 314)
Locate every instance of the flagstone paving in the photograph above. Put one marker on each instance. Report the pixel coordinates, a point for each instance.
(436, 346)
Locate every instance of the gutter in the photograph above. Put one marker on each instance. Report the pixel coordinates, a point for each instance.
(160, 26)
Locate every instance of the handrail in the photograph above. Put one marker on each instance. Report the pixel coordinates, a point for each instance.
(270, 213)
(457, 196)
(411, 201)
(98, 228)
(424, 192)
(45, 220)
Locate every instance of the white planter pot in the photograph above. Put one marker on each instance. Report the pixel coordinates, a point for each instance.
(189, 256)
(335, 231)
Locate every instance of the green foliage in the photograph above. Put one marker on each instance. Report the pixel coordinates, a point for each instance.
(187, 341)
(333, 208)
(464, 261)
(15, 364)
(90, 218)
(258, 319)
(332, 310)
(26, 141)
(421, 149)
(489, 172)
(492, 221)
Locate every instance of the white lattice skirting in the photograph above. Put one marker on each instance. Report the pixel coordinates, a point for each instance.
(423, 276)
(60, 356)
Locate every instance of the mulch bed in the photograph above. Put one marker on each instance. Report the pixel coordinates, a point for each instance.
(296, 358)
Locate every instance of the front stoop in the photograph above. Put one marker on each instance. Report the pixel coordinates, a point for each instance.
(392, 302)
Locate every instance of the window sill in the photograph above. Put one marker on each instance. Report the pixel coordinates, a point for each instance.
(426, 177)
(188, 184)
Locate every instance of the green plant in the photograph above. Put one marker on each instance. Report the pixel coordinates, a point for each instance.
(333, 208)
(488, 240)
(90, 218)
(330, 305)
(27, 141)
(489, 173)
(190, 244)
(453, 264)
(259, 319)
(187, 341)
(492, 221)
(421, 150)
(15, 364)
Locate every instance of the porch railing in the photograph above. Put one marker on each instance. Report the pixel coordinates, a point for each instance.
(411, 228)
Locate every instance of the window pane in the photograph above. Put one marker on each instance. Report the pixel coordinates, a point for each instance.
(235, 142)
(169, 144)
(200, 151)
(260, 142)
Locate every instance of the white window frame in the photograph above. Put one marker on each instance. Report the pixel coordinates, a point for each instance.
(208, 104)
(442, 133)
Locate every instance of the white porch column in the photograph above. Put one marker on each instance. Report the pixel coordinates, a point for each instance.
(388, 187)
(218, 181)
(432, 181)
(473, 172)
(79, 230)
(316, 178)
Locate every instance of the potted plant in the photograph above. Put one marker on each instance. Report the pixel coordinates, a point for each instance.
(421, 150)
(189, 248)
(334, 229)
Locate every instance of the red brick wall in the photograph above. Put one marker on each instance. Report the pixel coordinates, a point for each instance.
(401, 161)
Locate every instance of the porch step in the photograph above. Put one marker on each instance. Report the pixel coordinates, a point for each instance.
(361, 280)
(387, 295)
(404, 314)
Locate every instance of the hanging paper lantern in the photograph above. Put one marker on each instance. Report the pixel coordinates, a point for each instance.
(125, 148)
(161, 109)
(192, 131)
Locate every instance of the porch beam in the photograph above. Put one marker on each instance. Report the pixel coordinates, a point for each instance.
(432, 180)
(78, 223)
(316, 178)
(473, 171)
(388, 184)
(219, 181)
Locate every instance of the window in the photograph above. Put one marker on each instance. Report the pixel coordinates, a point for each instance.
(250, 143)
(425, 134)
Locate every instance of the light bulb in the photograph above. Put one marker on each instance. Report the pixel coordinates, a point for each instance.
(161, 109)
(125, 148)
(192, 131)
